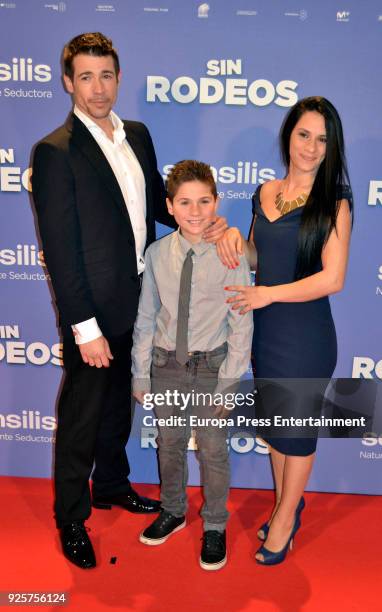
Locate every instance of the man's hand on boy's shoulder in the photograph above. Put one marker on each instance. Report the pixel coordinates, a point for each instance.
(215, 230)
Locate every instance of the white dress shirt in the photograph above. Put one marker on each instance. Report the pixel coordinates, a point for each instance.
(131, 181)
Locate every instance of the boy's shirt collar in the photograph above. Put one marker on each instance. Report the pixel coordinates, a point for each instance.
(199, 248)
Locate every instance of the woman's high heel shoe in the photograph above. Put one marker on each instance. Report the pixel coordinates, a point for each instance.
(274, 558)
(265, 527)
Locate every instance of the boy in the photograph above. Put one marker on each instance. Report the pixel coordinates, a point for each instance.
(187, 334)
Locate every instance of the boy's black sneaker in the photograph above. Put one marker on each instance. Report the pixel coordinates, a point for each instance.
(213, 555)
(161, 529)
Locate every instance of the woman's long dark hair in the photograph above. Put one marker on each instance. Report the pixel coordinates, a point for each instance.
(331, 183)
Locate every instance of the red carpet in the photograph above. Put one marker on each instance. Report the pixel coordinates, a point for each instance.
(336, 563)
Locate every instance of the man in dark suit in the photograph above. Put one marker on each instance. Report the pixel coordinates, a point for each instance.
(97, 193)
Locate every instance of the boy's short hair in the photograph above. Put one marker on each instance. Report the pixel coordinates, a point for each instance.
(186, 171)
(90, 43)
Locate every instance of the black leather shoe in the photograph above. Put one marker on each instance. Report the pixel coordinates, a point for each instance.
(130, 501)
(77, 546)
(214, 555)
(161, 529)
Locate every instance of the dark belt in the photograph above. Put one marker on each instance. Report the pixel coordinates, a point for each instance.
(198, 353)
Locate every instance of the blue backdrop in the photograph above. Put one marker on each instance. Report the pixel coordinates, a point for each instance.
(213, 82)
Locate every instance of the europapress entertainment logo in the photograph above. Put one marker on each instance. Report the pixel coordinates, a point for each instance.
(230, 87)
(15, 351)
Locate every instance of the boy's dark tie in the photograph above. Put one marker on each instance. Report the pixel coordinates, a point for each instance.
(183, 310)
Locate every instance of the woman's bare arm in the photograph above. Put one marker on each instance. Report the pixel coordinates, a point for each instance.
(326, 282)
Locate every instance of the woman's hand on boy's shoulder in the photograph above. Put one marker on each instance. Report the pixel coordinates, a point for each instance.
(230, 246)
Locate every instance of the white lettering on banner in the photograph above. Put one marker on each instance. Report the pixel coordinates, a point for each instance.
(372, 439)
(12, 178)
(35, 276)
(244, 173)
(185, 89)
(244, 442)
(375, 193)
(378, 290)
(7, 156)
(238, 195)
(9, 331)
(366, 367)
(224, 67)
(369, 455)
(14, 351)
(26, 93)
(22, 69)
(23, 255)
(241, 442)
(28, 419)
(36, 353)
(343, 16)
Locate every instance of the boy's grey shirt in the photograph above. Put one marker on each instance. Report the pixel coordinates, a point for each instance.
(211, 320)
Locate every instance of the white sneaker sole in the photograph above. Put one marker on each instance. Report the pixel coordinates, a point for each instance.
(211, 567)
(158, 541)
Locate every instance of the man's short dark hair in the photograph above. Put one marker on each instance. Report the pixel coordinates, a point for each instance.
(186, 171)
(90, 43)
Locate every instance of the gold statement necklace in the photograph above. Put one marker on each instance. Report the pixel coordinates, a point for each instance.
(286, 206)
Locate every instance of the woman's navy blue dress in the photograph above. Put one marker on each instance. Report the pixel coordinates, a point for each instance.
(294, 340)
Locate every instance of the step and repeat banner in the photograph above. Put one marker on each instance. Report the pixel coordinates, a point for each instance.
(212, 81)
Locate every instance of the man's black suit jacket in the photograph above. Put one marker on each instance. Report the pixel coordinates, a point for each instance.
(85, 228)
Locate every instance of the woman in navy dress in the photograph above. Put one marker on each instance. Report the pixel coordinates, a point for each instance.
(298, 244)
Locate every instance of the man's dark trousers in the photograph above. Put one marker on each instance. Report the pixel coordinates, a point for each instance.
(91, 396)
